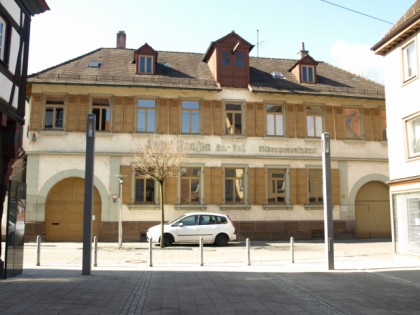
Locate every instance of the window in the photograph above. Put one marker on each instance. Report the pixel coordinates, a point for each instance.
(145, 189)
(276, 186)
(308, 74)
(409, 61)
(315, 192)
(275, 119)
(239, 59)
(234, 185)
(146, 115)
(54, 112)
(383, 125)
(2, 39)
(146, 64)
(226, 58)
(233, 119)
(190, 117)
(190, 185)
(101, 107)
(314, 119)
(413, 136)
(352, 124)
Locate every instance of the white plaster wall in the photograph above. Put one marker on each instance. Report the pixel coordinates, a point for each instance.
(402, 100)
(12, 8)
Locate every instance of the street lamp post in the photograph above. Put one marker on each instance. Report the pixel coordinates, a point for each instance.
(120, 232)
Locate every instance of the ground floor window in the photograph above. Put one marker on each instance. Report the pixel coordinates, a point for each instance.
(276, 186)
(315, 192)
(406, 211)
(145, 190)
(190, 185)
(234, 185)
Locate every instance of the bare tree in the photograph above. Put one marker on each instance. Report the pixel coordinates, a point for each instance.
(159, 158)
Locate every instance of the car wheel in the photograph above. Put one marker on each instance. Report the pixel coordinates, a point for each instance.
(221, 240)
(168, 239)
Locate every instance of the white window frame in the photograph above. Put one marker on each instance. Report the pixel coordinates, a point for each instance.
(277, 131)
(146, 113)
(304, 69)
(190, 116)
(412, 136)
(312, 119)
(148, 59)
(226, 112)
(3, 31)
(409, 61)
(200, 186)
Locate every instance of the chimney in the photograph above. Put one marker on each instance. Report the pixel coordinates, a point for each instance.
(302, 53)
(121, 40)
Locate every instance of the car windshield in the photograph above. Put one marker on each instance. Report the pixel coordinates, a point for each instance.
(170, 222)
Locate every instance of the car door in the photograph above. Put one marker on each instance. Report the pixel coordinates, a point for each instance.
(208, 228)
(187, 229)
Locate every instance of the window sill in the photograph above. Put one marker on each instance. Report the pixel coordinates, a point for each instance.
(314, 207)
(144, 207)
(234, 136)
(235, 207)
(190, 207)
(277, 207)
(54, 132)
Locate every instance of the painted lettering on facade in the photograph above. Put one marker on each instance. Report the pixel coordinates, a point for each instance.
(286, 150)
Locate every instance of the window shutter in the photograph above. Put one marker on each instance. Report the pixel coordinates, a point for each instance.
(207, 185)
(339, 123)
(293, 186)
(171, 190)
(174, 114)
(127, 187)
(217, 184)
(300, 121)
(259, 120)
(290, 121)
(207, 119)
(83, 110)
(163, 124)
(71, 113)
(218, 121)
(250, 120)
(367, 124)
(377, 126)
(129, 114)
(251, 185)
(329, 121)
(302, 186)
(117, 114)
(260, 188)
(36, 112)
(335, 183)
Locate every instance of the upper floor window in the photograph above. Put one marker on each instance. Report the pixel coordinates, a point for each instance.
(275, 120)
(101, 107)
(383, 125)
(144, 189)
(145, 64)
(412, 128)
(226, 58)
(146, 115)
(409, 61)
(190, 185)
(234, 185)
(307, 74)
(190, 117)
(239, 59)
(352, 123)
(233, 119)
(2, 39)
(276, 186)
(314, 118)
(54, 112)
(315, 192)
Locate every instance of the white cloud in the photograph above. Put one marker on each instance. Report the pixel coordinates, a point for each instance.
(358, 59)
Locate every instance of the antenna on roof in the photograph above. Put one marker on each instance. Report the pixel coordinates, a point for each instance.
(258, 43)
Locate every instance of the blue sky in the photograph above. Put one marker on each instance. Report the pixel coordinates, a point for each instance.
(331, 34)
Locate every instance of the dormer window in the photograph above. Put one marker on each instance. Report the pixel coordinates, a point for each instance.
(226, 58)
(145, 58)
(145, 64)
(307, 74)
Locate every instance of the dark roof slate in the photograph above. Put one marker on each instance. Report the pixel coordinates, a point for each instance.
(188, 71)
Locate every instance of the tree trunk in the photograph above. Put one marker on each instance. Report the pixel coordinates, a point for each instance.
(162, 220)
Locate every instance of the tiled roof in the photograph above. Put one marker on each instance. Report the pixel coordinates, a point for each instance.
(407, 25)
(188, 71)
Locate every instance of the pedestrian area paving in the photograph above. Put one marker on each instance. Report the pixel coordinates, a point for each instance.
(367, 279)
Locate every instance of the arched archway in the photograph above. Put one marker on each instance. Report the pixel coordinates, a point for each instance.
(64, 211)
(373, 218)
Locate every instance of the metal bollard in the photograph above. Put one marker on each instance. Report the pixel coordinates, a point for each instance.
(248, 249)
(150, 253)
(292, 249)
(201, 251)
(38, 250)
(95, 251)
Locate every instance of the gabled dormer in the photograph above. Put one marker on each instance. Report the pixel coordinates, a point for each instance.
(145, 59)
(228, 59)
(305, 69)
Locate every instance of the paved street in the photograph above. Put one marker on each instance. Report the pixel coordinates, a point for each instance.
(367, 279)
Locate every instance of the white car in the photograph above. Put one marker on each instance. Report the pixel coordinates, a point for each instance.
(213, 227)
